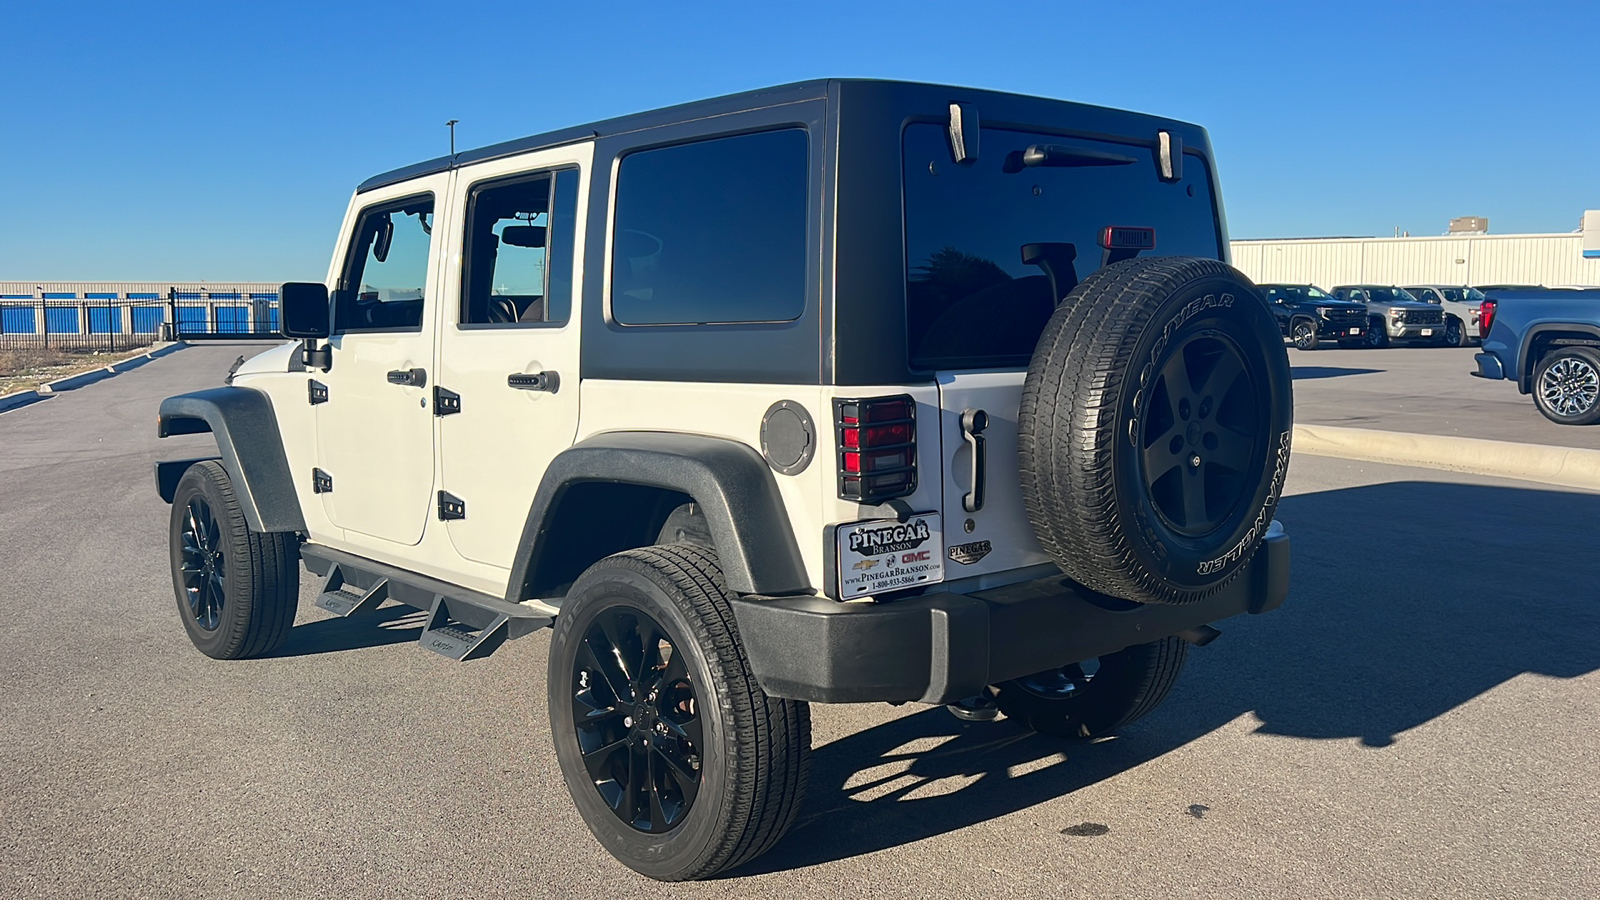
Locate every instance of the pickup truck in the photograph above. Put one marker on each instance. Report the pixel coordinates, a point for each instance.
(1547, 341)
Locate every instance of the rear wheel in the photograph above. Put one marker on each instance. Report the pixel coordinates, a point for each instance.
(1092, 698)
(1566, 386)
(1154, 429)
(237, 589)
(1305, 334)
(678, 762)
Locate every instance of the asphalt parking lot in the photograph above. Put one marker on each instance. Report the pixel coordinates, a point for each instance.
(1417, 721)
(1425, 390)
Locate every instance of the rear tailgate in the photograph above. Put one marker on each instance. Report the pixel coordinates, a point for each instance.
(996, 536)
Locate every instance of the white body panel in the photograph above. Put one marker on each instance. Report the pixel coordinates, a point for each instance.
(495, 451)
(1003, 520)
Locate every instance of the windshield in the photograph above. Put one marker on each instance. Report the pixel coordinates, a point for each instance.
(1462, 295)
(1316, 294)
(990, 245)
(1384, 295)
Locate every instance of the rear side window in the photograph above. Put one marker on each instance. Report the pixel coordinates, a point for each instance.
(991, 245)
(712, 232)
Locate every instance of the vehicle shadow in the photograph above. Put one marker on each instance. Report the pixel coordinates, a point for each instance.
(1307, 373)
(1409, 599)
(391, 624)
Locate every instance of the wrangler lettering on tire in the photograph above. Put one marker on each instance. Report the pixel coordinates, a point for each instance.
(1154, 429)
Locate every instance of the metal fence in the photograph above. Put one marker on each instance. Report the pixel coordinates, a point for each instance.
(133, 320)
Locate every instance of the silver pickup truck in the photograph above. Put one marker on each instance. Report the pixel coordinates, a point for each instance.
(1393, 314)
(1460, 305)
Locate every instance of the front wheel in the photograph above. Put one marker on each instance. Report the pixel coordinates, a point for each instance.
(1377, 333)
(1566, 386)
(1305, 335)
(237, 589)
(677, 761)
(1092, 698)
(1454, 334)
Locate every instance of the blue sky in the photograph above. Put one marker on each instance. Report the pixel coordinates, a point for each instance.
(222, 140)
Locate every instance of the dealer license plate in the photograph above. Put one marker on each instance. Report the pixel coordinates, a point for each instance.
(1427, 332)
(886, 554)
(1355, 332)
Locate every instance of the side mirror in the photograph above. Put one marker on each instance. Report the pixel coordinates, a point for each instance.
(305, 310)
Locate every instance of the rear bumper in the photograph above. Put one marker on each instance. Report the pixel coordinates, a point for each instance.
(1489, 366)
(944, 646)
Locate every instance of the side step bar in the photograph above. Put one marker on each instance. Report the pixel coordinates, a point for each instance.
(462, 624)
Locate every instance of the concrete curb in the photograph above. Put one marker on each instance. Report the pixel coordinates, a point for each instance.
(20, 399)
(73, 382)
(1560, 466)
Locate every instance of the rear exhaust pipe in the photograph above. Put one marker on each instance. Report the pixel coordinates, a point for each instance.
(1200, 635)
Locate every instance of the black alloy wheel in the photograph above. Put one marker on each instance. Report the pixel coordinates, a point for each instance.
(1454, 334)
(677, 760)
(203, 565)
(637, 719)
(1305, 335)
(237, 589)
(1203, 436)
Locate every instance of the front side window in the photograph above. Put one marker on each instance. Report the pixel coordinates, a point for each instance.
(386, 271)
(712, 232)
(518, 258)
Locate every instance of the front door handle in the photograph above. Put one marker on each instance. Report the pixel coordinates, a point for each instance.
(409, 377)
(548, 382)
(973, 423)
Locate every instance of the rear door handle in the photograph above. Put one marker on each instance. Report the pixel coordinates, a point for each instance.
(409, 377)
(548, 382)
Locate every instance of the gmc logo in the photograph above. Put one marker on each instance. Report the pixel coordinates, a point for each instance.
(922, 556)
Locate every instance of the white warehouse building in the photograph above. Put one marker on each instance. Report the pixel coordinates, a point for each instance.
(1475, 259)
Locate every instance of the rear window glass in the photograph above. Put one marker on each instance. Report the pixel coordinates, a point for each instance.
(713, 231)
(972, 301)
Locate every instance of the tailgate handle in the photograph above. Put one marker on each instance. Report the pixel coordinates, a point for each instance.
(973, 424)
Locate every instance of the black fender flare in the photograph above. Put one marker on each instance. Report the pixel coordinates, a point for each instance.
(1525, 365)
(729, 481)
(251, 449)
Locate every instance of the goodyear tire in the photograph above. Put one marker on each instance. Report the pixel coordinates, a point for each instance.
(1154, 429)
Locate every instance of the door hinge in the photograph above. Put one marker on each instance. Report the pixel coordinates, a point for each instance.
(445, 402)
(321, 482)
(316, 391)
(451, 506)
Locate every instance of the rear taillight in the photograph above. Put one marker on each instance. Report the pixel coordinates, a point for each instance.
(1485, 318)
(877, 448)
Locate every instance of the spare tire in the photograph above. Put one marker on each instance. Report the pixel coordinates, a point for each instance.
(1154, 429)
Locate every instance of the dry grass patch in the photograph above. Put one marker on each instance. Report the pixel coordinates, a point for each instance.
(25, 370)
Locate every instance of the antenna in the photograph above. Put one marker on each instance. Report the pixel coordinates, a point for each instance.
(452, 126)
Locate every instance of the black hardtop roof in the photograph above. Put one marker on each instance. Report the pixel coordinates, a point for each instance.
(762, 98)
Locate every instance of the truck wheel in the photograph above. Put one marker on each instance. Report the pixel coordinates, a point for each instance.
(1454, 334)
(678, 762)
(1377, 333)
(1092, 698)
(1566, 386)
(237, 589)
(1154, 429)
(1305, 334)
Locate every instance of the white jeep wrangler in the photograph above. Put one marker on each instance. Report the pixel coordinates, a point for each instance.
(825, 392)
